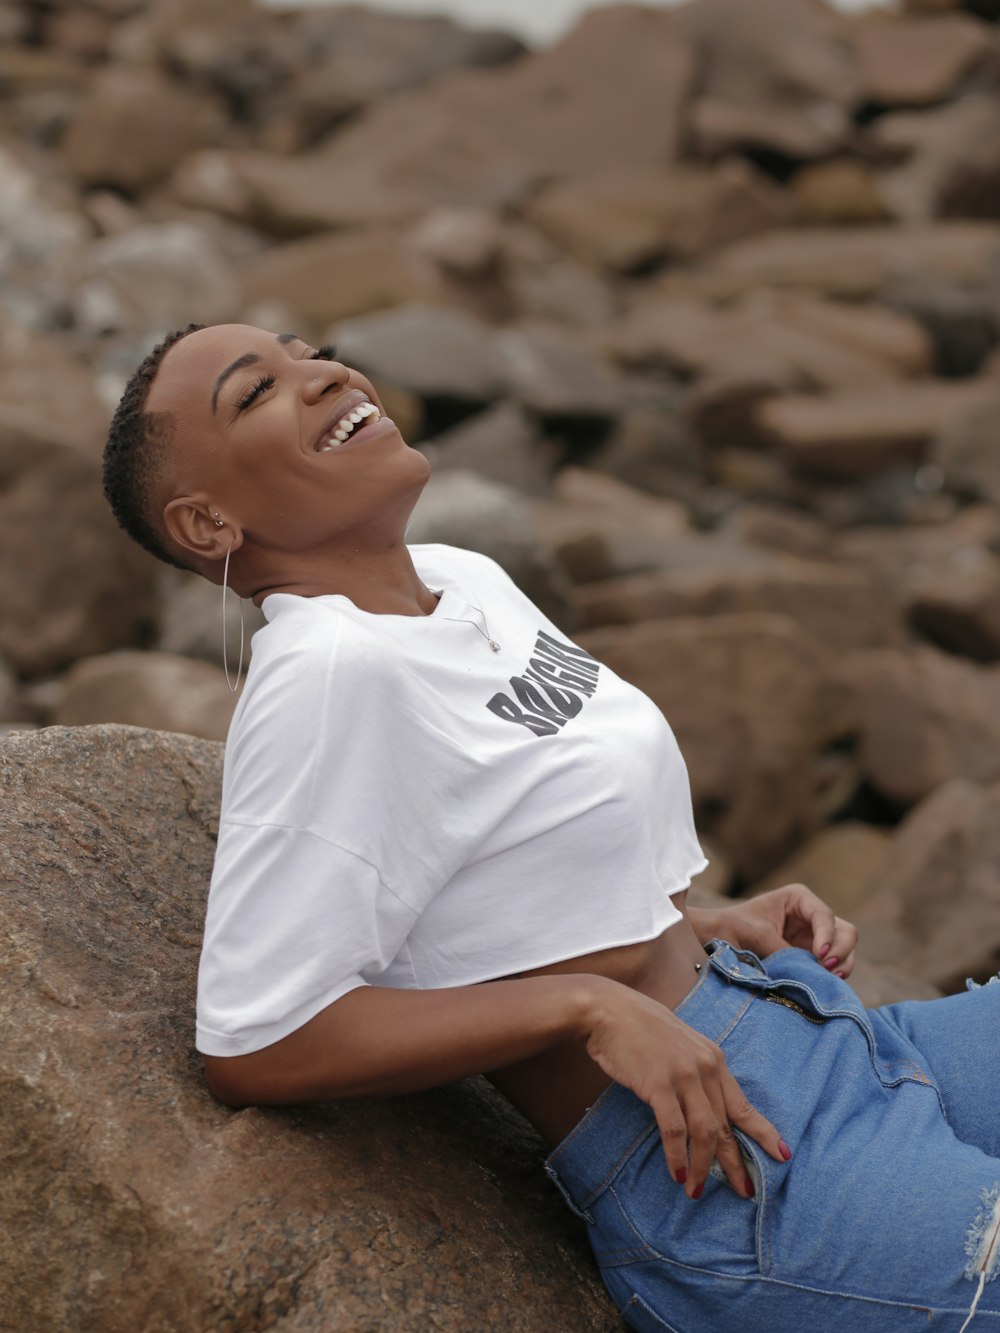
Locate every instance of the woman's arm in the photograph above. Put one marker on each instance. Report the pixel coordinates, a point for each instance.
(377, 1041)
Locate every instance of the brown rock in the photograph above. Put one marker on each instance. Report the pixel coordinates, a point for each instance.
(155, 690)
(73, 584)
(745, 696)
(777, 76)
(922, 718)
(134, 129)
(906, 62)
(778, 529)
(945, 853)
(337, 276)
(503, 443)
(843, 608)
(952, 161)
(131, 1198)
(10, 702)
(843, 189)
(474, 140)
(858, 263)
(30, 367)
(854, 433)
(625, 220)
(843, 864)
(966, 450)
(958, 608)
(190, 622)
(882, 983)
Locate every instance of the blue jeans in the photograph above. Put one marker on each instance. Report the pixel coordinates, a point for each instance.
(888, 1215)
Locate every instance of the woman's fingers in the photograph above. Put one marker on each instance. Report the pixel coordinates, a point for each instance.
(751, 1122)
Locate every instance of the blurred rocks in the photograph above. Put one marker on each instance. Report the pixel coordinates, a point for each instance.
(157, 690)
(131, 1198)
(191, 623)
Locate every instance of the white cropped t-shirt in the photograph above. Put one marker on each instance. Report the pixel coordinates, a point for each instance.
(403, 806)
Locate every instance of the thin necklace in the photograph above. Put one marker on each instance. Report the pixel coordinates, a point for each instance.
(484, 632)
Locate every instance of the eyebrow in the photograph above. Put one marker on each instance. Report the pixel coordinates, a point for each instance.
(241, 362)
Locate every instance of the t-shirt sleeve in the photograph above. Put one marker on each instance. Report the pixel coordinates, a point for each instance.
(294, 922)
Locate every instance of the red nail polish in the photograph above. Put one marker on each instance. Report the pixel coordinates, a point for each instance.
(748, 1186)
(784, 1149)
(842, 975)
(824, 951)
(831, 963)
(696, 1194)
(682, 1176)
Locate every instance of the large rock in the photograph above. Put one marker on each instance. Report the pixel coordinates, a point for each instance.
(747, 699)
(840, 189)
(73, 583)
(843, 608)
(777, 76)
(951, 161)
(156, 690)
(627, 220)
(962, 319)
(504, 443)
(474, 139)
(859, 431)
(843, 864)
(907, 62)
(937, 907)
(192, 617)
(135, 127)
(966, 450)
(922, 718)
(130, 1198)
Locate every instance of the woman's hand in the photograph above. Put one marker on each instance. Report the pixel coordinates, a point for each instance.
(790, 915)
(688, 1085)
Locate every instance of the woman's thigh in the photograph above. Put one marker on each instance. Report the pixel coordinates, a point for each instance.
(959, 1039)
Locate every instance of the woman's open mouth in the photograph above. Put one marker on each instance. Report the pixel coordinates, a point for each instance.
(350, 424)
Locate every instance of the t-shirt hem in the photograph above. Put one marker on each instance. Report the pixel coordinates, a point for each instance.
(210, 1042)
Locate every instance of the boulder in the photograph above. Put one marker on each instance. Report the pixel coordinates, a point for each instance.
(778, 529)
(922, 717)
(966, 450)
(841, 189)
(628, 220)
(30, 366)
(134, 129)
(857, 432)
(478, 140)
(962, 321)
(747, 698)
(777, 76)
(917, 62)
(74, 584)
(958, 607)
(156, 690)
(857, 263)
(155, 278)
(131, 1198)
(443, 356)
(937, 907)
(505, 443)
(697, 576)
(843, 864)
(464, 509)
(951, 162)
(553, 376)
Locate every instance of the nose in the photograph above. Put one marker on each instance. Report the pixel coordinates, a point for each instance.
(320, 377)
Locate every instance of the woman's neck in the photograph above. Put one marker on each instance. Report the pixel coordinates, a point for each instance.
(380, 582)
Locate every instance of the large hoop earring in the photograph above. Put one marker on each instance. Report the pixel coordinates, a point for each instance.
(225, 656)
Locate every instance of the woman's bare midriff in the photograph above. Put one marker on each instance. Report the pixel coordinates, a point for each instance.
(554, 1089)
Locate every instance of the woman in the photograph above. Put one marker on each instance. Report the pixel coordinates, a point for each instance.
(451, 842)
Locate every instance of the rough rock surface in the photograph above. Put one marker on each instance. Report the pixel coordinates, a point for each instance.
(130, 1198)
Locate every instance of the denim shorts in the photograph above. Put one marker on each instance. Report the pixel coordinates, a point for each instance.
(888, 1215)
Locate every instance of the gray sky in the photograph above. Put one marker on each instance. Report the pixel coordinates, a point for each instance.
(536, 20)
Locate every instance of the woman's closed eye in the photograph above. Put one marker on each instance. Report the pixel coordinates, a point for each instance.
(259, 386)
(325, 353)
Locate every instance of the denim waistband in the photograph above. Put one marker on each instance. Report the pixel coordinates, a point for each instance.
(589, 1157)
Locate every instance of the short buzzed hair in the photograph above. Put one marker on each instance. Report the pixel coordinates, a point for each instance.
(133, 454)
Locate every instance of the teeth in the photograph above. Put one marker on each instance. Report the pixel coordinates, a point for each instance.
(342, 431)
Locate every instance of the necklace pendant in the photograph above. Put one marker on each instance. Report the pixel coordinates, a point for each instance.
(494, 645)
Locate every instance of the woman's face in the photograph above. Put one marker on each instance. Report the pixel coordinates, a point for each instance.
(263, 434)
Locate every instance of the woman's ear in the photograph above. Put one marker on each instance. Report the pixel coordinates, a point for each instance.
(198, 530)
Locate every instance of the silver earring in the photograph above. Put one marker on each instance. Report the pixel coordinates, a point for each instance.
(219, 522)
(225, 656)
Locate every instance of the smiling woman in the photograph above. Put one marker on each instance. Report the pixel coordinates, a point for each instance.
(452, 842)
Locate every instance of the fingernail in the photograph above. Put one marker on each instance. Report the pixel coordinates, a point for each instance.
(784, 1149)
(682, 1176)
(831, 963)
(696, 1194)
(842, 975)
(824, 951)
(748, 1186)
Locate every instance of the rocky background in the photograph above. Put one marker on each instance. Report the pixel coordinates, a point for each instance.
(697, 314)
